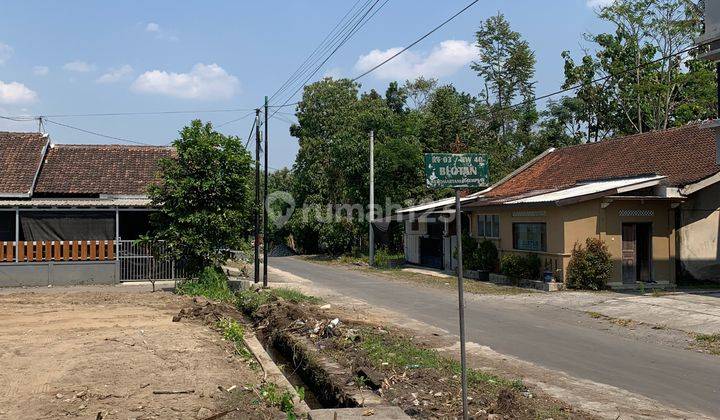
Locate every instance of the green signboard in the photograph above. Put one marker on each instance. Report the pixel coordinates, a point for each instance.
(448, 170)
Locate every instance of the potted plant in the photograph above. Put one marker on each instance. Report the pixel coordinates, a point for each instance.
(486, 259)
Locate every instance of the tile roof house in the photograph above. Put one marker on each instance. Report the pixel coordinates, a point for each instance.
(20, 157)
(653, 198)
(70, 203)
(88, 170)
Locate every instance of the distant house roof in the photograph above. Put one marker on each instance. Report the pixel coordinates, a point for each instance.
(93, 170)
(30, 166)
(20, 157)
(682, 155)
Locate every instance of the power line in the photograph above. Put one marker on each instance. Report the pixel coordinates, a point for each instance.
(97, 134)
(348, 29)
(236, 119)
(118, 114)
(600, 79)
(251, 132)
(18, 119)
(448, 20)
(359, 24)
(307, 59)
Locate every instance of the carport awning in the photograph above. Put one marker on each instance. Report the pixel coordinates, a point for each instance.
(383, 223)
(577, 193)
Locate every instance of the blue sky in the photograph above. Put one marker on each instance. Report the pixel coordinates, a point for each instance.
(70, 57)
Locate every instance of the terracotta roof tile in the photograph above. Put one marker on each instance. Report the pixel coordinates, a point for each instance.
(20, 155)
(684, 155)
(89, 170)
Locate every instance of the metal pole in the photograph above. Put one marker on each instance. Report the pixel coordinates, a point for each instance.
(17, 234)
(257, 196)
(117, 245)
(372, 198)
(717, 76)
(265, 204)
(461, 302)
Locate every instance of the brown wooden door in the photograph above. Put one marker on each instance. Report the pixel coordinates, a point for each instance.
(629, 253)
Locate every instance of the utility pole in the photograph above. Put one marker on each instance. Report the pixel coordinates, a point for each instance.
(265, 203)
(257, 196)
(372, 199)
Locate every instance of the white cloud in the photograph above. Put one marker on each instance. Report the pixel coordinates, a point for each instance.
(79, 66)
(443, 60)
(599, 3)
(335, 73)
(115, 75)
(160, 33)
(202, 82)
(41, 70)
(6, 52)
(15, 93)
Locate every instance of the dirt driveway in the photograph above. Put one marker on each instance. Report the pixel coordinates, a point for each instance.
(80, 352)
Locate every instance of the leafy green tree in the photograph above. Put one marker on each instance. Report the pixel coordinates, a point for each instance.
(652, 85)
(396, 98)
(507, 65)
(419, 90)
(204, 197)
(505, 111)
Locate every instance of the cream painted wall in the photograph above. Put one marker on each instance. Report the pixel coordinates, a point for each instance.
(663, 268)
(699, 246)
(571, 224)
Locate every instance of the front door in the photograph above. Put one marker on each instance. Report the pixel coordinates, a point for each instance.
(629, 253)
(636, 252)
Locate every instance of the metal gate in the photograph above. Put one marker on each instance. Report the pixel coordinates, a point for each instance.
(137, 263)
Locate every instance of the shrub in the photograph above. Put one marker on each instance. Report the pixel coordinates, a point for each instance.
(512, 266)
(383, 257)
(590, 267)
(516, 267)
(469, 254)
(487, 256)
(211, 282)
(336, 237)
(478, 255)
(533, 266)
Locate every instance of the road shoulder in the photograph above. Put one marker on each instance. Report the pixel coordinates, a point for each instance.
(601, 400)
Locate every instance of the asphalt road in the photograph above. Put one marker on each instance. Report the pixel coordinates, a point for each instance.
(548, 337)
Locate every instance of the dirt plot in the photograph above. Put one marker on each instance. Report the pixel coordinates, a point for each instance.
(79, 353)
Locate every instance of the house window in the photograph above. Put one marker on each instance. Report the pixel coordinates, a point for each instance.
(530, 236)
(488, 225)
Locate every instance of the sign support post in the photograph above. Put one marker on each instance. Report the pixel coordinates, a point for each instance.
(461, 302)
(458, 171)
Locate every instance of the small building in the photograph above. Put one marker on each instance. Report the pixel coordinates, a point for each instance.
(653, 198)
(69, 213)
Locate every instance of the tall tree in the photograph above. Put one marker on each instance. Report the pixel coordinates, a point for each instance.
(204, 196)
(647, 71)
(506, 111)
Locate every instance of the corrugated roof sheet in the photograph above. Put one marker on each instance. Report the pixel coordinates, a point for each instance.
(590, 188)
(439, 204)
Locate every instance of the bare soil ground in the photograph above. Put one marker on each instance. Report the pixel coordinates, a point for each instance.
(102, 353)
